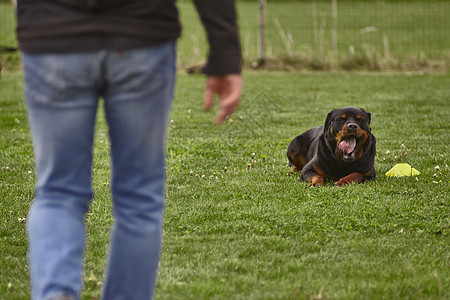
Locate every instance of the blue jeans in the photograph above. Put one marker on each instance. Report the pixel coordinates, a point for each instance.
(62, 92)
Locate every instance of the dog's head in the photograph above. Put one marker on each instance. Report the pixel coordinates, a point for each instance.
(348, 129)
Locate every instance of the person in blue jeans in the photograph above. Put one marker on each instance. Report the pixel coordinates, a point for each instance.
(74, 53)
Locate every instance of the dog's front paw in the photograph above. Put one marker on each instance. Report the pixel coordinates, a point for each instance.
(340, 183)
(317, 181)
(353, 177)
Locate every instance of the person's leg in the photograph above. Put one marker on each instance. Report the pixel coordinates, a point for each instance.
(137, 101)
(60, 92)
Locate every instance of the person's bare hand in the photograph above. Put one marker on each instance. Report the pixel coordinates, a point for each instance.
(229, 89)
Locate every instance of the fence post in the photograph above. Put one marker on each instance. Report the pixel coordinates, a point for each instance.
(261, 33)
(334, 28)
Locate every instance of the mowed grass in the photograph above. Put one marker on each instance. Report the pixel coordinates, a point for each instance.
(236, 227)
(375, 35)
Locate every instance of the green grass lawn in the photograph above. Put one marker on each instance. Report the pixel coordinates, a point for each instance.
(236, 227)
(376, 35)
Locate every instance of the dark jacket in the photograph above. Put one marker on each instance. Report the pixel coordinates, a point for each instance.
(64, 26)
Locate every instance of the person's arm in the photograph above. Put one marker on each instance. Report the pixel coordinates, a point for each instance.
(219, 20)
(223, 67)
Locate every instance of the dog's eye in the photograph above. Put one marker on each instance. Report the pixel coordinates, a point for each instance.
(360, 119)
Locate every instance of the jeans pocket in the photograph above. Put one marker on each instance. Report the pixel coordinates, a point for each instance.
(140, 72)
(44, 77)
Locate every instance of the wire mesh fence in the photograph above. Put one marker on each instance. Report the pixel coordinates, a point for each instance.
(317, 34)
(326, 34)
(374, 34)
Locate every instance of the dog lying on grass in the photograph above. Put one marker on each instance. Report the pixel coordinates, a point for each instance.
(343, 150)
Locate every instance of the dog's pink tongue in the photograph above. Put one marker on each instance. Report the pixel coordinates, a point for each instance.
(347, 146)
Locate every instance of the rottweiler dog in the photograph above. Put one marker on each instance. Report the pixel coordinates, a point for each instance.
(343, 150)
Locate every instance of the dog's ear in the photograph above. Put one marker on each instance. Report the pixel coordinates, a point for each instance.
(328, 121)
(369, 116)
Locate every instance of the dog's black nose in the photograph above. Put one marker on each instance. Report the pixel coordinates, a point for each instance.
(352, 127)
